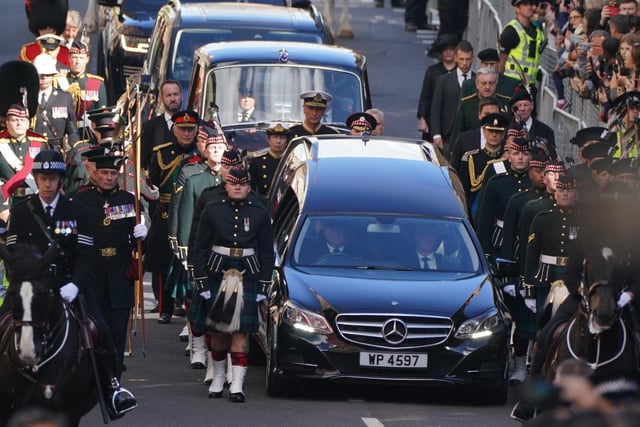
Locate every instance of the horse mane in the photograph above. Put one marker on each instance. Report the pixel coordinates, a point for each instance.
(25, 262)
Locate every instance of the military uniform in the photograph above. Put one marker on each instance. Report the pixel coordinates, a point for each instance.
(15, 160)
(88, 92)
(493, 204)
(56, 119)
(473, 166)
(314, 99)
(112, 217)
(467, 116)
(504, 90)
(262, 170)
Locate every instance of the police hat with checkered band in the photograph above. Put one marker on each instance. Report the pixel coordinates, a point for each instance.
(48, 161)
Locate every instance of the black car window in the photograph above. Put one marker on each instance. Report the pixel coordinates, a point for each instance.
(386, 242)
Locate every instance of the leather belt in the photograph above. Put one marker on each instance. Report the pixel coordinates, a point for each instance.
(554, 260)
(233, 252)
(108, 252)
(22, 192)
(499, 223)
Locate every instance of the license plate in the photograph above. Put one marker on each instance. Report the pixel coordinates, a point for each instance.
(393, 360)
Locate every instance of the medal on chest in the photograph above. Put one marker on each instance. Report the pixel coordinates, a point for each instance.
(247, 225)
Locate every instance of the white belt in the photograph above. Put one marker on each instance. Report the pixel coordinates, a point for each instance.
(499, 223)
(554, 260)
(233, 252)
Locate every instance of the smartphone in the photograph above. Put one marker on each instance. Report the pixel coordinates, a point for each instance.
(585, 46)
(596, 46)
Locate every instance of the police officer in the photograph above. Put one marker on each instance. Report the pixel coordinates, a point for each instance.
(55, 118)
(112, 216)
(314, 106)
(235, 234)
(49, 218)
(18, 147)
(521, 44)
(263, 168)
(166, 163)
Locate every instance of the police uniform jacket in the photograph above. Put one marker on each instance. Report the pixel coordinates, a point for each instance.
(302, 130)
(55, 119)
(493, 203)
(30, 145)
(193, 187)
(262, 170)
(550, 241)
(235, 224)
(111, 216)
(29, 224)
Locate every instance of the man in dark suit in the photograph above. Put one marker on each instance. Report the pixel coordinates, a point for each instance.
(428, 240)
(446, 97)
(473, 139)
(543, 137)
(247, 103)
(55, 118)
(333, 239)
(158, 130)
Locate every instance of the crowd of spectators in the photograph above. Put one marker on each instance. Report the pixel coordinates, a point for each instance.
(598, 47)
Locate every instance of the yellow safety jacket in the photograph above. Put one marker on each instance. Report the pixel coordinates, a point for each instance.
(626, 145)
(527, 54)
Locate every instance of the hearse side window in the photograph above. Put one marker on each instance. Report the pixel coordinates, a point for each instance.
(284, 220)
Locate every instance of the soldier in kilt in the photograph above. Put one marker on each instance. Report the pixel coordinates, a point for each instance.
(233, 263)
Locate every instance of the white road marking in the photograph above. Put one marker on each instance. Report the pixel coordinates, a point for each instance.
(372, 422)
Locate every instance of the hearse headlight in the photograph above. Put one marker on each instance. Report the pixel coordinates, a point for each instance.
(134, 43)
(480, 327)
(305, 321)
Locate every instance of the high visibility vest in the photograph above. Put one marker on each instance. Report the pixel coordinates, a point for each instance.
(626, 145)
(527, 53)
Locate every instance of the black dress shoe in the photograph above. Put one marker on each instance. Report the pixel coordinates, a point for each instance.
(197, 365)
(236, 397)
(215, 394)
(179, 311)
(155, 309)
(122, 401)
(164, 318)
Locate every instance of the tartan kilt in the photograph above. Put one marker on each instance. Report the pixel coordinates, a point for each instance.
(177, 282)
(200, 307)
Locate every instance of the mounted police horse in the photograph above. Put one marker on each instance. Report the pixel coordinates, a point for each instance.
(596, 334)
(42, 358)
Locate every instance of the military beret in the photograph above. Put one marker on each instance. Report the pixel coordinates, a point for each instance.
(597, 149)
(238, 176)
(488, 55)
(278, 129)
(231, 157)
(539, 161)
(494, 121)
(50, 41)
(593, 133)
(185, 118)
(361, 122)
(17, 110)
(520, 94)
(78, 48)
(316, 98)
(566, 182)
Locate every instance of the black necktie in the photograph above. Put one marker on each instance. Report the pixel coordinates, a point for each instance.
(464, 76)
(48, 210)
(43, 98)
(245, 116)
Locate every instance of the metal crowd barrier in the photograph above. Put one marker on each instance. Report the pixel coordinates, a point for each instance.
(486, 18)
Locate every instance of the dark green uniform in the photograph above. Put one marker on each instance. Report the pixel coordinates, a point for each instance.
(193, 187)
(194, 166)
(467, 117)
(493, 204)
(512, 213)
(506, 86)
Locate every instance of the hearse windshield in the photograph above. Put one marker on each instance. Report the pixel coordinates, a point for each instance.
(276, 90)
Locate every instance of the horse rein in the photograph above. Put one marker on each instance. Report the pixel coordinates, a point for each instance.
(596, 364)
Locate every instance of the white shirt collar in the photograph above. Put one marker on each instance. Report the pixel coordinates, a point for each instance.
(528, 123)
(483, 140)
(53, 204)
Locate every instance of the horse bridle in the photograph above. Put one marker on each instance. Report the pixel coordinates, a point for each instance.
(585, 306)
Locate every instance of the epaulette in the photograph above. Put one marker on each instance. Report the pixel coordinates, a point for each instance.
(161, 146)
(469, 97)
(95, 76)
(33, 135)
(465, 156)
(499, 95)
(498, 166)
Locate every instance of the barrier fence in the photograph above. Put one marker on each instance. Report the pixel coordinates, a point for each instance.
(486, 20)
